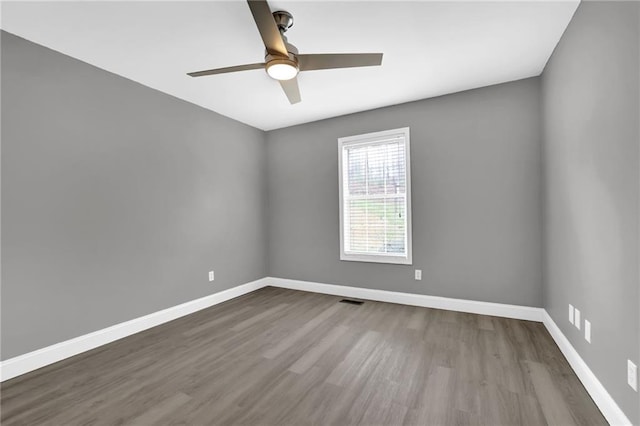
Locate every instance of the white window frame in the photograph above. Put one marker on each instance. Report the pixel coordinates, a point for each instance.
(364, 140)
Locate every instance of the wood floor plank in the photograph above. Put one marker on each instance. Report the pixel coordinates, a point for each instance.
(313, 355)
(206, 326)
(436, 404)
(258, 317)
(290, 340)
(356, 360)
(549, 396)
(158, 412)
(285, 357)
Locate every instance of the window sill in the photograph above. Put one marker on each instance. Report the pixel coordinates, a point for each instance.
(394, 260)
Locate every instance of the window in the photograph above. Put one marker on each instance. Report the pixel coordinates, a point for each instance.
(375, 197)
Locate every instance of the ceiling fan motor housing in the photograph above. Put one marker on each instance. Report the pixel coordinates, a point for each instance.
(291, 58)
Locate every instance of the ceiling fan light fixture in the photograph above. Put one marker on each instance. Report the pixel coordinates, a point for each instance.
(282, 69)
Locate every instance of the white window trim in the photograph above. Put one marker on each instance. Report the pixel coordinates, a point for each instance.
(376, 258)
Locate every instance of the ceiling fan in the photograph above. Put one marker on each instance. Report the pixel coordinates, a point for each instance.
(282, 60)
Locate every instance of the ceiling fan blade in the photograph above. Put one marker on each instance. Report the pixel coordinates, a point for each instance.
(226, 70)
(267, 27)
(323, 61)
(291, 89)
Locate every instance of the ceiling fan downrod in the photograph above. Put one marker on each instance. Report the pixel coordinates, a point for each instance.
(284, 20)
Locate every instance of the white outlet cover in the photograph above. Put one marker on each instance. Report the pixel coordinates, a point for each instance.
(587, 331)
(418, 274)
(211, 276)
(576, 318)
(571, 313)
(632, 375)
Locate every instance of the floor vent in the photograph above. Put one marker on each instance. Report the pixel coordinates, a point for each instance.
(352, 302)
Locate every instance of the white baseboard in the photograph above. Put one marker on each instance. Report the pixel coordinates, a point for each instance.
(42, 357)
(611, 411)
(527, 313)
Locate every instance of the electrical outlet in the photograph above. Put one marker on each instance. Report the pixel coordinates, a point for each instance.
(418, 274)
(576, 318)
(211, 276)
(571, 313)
(632, 375)
(587, 331)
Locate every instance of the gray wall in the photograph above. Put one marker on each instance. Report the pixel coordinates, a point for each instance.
(476, 195)
(116, 199)
(590, 98)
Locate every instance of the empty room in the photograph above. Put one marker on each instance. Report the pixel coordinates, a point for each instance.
(320, 212)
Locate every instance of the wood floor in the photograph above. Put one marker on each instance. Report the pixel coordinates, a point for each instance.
(283, 357)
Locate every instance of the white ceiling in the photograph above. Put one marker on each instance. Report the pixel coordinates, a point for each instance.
(430, 49)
